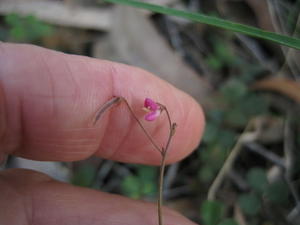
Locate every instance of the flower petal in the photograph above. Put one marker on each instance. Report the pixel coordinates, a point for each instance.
(152, 115)
(150, 104)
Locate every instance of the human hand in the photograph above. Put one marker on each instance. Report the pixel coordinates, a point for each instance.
(48, 102)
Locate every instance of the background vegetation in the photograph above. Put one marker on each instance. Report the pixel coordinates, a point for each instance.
(246, 170)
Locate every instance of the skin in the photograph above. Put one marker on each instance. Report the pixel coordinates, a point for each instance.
(48, 101)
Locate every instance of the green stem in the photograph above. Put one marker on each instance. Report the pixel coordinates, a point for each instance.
(214, 21)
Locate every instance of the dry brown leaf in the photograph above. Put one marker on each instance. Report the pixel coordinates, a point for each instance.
(236, 11)
(262, 13)
(286, 87)
(252, 12)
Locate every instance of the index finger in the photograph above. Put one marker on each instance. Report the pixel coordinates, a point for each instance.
(50, 99)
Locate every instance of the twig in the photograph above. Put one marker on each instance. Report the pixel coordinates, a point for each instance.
(174, 36)
(279, 28)
(290, 156)
(294, 217)
(245, 137)
(175, 192)
(238, 180)
(121, 171)
(102, 172)
(254, 147)
(257, 52)
(238, 215)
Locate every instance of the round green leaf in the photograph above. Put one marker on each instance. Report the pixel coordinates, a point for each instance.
(233, 91)
(210, 133)
(277, 192)
(84, 176)
(212, 212)
(250, 203)
(131, 187)
(206, 173)
(257, 179)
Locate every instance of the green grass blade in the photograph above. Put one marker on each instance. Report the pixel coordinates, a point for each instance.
(221, 23)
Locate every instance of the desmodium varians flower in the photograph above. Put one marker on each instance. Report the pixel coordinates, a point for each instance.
(152, 108)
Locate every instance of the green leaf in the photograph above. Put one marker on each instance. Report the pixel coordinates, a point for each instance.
(228, 222)
(216, 116)
(250, 72)
(206, 173)
(214, 21)
(12, 19)
(227, 139)
(3, 34)
(142, 184)
(26, 28)
(211, 133)
(249, 203)
(277, 192)
(146, 172)
(84, 176)
(233, 91)
(147, 178)
(212, 212)
(244, 107)
(257, 179)
(18, 32)
(236, 117)
(222, 51)
(253, 104)
(131, 187)
(214, 62)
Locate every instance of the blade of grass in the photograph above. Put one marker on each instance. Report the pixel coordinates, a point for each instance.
(214, 21)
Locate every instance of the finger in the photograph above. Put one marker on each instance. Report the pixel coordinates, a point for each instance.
(29, 197)
(51, 99)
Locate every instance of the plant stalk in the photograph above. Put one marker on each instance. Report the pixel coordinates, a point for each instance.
(163, 151)
(160, 188)
(163, 165)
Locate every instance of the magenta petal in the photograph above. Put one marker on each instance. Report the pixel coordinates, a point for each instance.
(150, 104)
(152, 115)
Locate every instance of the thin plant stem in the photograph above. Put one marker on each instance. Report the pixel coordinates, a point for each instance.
(163, 151)
(160, 188)
(163, 165)
(141, 125)
(116, 100)
(161, 174)
(228, 164)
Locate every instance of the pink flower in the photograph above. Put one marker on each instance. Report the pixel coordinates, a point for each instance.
(152, 108)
